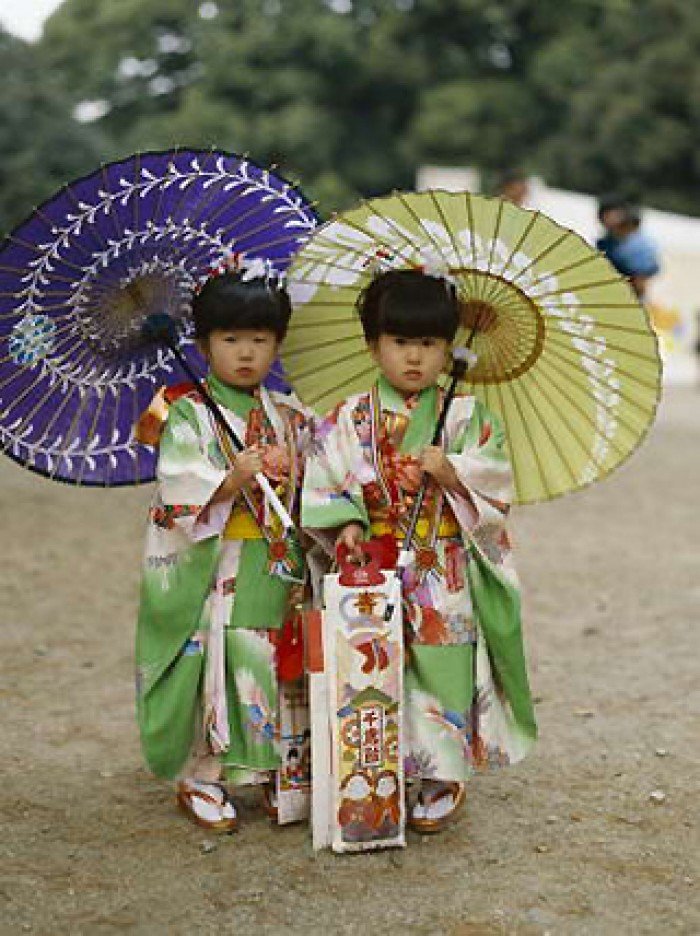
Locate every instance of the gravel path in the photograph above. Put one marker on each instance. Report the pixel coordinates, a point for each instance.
(597, 833)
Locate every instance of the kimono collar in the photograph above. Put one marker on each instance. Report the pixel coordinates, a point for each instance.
(243, 403)
(420, 408)
(238, 401)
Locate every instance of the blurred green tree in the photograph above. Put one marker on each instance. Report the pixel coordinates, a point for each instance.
(351, 96)
(41, 146)
(626, 103)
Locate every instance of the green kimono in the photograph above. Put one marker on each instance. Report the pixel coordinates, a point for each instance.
(206, 677)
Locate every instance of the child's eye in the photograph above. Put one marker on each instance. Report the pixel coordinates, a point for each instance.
(428, 342)
(230, 339)
(401, 342)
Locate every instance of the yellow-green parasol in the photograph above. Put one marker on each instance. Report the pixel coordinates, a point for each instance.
(571, 364)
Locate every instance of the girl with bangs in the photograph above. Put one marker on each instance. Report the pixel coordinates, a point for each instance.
(212, 605)
(467, 701)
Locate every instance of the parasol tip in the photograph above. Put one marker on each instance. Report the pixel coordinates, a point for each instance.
(159, 327)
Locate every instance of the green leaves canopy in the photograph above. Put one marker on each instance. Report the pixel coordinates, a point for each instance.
(351, 96)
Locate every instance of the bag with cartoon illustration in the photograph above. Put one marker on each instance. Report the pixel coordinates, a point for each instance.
(355, 664)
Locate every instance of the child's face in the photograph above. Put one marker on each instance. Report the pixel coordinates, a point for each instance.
(240, 357)
(410, 364)
(616, 222)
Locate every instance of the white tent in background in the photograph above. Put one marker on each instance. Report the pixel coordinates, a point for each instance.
(675, 292)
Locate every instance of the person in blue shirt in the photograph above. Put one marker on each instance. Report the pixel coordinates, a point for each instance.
(630, 251)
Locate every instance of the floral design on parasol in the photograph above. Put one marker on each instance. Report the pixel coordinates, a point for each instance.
(571, 363)
(82, 274)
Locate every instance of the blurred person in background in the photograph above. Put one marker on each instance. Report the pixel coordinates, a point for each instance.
(514, 186)
(630, 251)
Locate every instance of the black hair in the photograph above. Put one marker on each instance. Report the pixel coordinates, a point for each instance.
(410, 304)
(509, 177)
(227, 302)
(618, 202)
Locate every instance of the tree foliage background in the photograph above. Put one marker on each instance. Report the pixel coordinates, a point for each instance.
(351, 96)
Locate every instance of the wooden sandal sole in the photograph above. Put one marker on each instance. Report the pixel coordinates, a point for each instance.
(218, 826)
(432, 826)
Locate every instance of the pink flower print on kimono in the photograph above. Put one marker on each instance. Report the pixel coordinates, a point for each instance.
(454, 725)
(485, 434)
(260, 719)
(363, 429)
(406, 470)
(362, 423)
(164, 516)
(493, 541)
(321, 430)
(430, 627)
(276, 464)
(338, 490)
(416, 589)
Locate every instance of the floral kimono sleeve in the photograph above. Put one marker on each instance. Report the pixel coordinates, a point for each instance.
(191, 468)
(479, 458)
(302, 420)
(335, 471)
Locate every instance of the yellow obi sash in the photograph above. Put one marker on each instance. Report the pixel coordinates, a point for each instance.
(241, 525)
(448, 528)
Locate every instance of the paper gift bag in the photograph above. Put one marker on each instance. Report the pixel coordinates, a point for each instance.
(355, 662)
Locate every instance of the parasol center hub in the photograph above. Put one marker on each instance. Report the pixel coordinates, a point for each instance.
(512, 339)
(113, 312)
(474, 310)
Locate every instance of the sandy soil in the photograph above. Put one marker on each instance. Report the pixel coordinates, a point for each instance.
(569, 842)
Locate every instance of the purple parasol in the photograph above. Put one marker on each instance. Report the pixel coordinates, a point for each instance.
(80, 276)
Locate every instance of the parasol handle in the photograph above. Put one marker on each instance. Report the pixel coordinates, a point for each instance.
(269, 492)
(275, 502)
(418, 503)
(460, 365)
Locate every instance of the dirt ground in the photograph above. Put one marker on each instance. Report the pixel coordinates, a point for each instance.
(568, 842)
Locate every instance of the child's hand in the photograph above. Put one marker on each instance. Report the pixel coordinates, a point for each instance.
(246, 465)
(352, 535)
(435, 463)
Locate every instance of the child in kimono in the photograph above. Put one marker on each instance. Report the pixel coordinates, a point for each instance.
(466, 698)
(211, 604)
